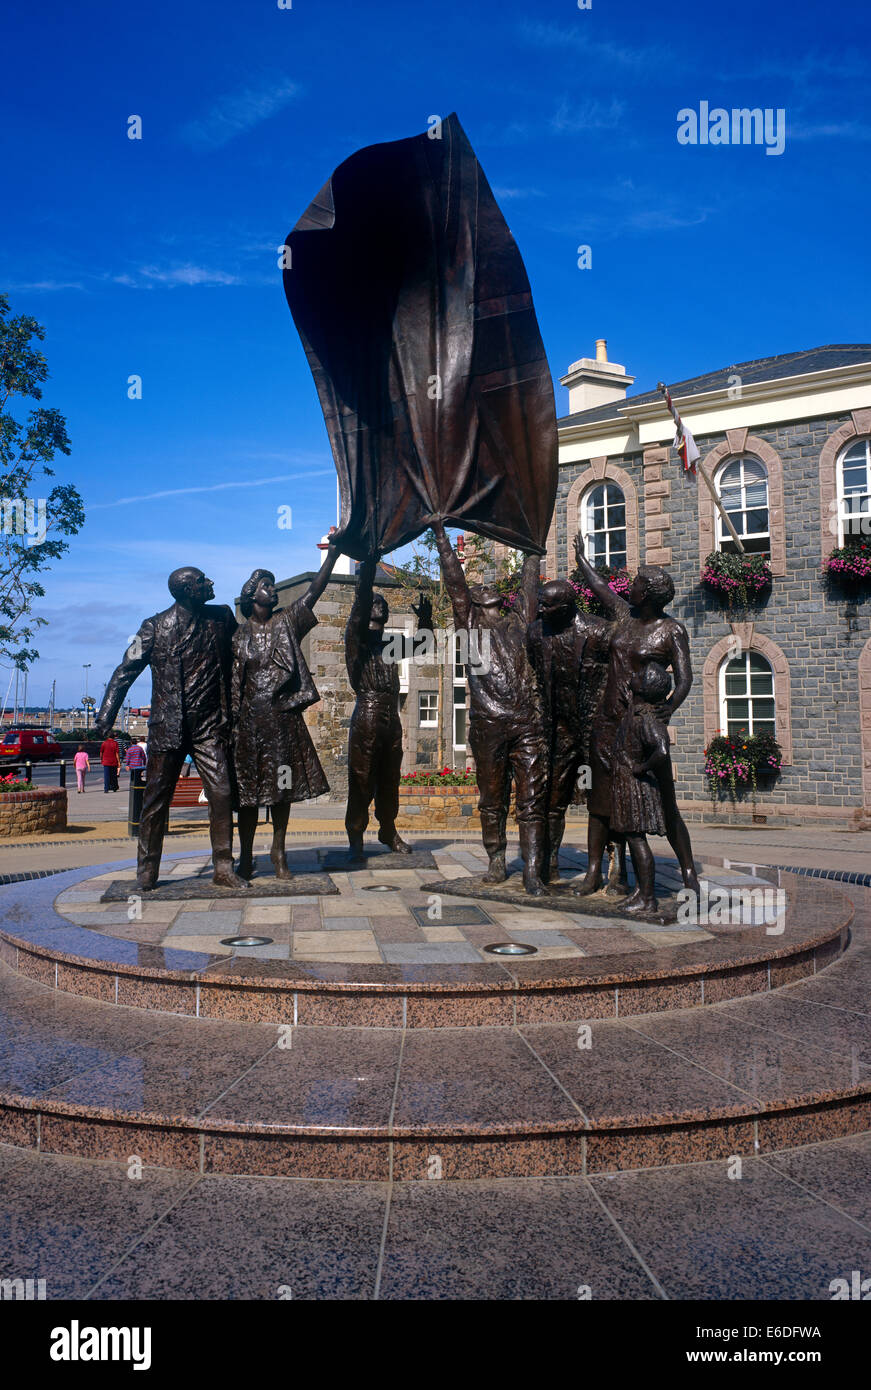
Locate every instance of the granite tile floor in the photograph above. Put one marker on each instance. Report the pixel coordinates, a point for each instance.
(350, 926)
(784, 1228)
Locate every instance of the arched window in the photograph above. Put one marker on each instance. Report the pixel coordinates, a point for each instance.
(747, 695)
(603, 520)
(742, 486)
(854, 493)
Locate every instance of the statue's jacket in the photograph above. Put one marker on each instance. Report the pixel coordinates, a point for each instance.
(293, 689)
(190, 662)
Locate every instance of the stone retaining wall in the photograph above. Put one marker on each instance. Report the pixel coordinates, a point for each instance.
(39, 812)
(436, 807)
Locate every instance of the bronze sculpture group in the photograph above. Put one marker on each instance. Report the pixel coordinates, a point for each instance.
(438, 402)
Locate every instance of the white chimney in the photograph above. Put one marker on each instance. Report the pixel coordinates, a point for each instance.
(344, 564)
(595, 381)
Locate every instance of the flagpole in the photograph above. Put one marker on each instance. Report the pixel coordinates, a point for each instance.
(700, 468)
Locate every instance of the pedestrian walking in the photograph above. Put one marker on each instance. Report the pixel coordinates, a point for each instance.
(135, 761)
(110, 759)
(82, 764)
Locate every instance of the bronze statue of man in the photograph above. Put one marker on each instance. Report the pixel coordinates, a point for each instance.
(375, 734)
(506, 719)
(188, 647)
(642, 633)
(568, 650)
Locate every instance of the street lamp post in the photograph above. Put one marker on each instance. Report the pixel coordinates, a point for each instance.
(86, 666)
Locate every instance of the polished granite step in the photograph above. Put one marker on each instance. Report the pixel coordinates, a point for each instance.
(212, 1096)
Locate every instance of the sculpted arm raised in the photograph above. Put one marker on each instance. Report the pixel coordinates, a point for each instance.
(530, 582)
(322, 578)
(613, 605)
(136, 658)
(455, 580)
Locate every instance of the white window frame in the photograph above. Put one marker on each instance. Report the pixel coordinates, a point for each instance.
(404, 664)
(586, 523)
(433, 721)
(458, 704)
(842, 495)
(722, 697)
(724, 535)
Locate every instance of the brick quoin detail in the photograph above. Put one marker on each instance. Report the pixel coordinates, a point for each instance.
(600, 470)
(754, 641)
(657, 521)
(865, 722)
(858, 425)
(736, 443)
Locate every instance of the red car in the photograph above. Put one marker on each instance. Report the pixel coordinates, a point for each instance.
(21, 745)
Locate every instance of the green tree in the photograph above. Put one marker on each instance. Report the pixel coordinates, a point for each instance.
(30, 509)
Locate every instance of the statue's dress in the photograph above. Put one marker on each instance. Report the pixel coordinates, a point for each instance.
(636, 803)
(271, 687)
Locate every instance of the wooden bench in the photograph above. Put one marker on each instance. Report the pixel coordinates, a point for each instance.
(187, 792)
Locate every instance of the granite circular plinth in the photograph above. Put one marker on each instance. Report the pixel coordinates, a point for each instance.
(404, 959)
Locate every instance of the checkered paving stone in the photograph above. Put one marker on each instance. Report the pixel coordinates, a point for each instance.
(356, 926)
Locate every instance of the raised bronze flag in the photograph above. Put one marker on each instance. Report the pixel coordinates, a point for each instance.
(415, 311)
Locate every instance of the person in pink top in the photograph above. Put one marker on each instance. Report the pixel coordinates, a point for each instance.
(82, 764)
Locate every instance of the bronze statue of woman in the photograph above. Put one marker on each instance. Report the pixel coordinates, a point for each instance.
(642, 633)
(275, 758)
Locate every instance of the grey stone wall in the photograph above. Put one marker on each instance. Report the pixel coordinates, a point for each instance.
(806, 620)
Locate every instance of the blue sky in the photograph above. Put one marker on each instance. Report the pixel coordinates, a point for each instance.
(159, 257)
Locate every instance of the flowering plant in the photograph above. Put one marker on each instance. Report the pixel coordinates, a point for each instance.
(618, 580)
(851, 563)
(13, 783)
(731, 759)
(742, 577)
(448, 777)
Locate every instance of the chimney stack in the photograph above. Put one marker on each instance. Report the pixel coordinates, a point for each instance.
(596, 381)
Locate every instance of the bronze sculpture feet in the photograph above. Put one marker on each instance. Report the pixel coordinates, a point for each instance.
(224, 876)
(637, 903)
(279, 864)
(395, 842)
(497, 873)
(590, 883)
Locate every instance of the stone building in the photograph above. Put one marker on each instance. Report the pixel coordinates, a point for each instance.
(787, 443)
(427, 700)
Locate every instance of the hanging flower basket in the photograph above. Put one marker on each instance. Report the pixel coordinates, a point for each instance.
(740, 760)
(738, 579)
(849, 565)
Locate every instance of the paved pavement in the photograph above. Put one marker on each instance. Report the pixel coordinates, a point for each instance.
(788, 1228)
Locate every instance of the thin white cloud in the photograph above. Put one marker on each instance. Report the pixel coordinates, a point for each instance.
(236, 112)
(509, 193)
(591, 115)
(210, 487)
(829, 130)
(150, 275)
(46, 286)
(579, 38)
